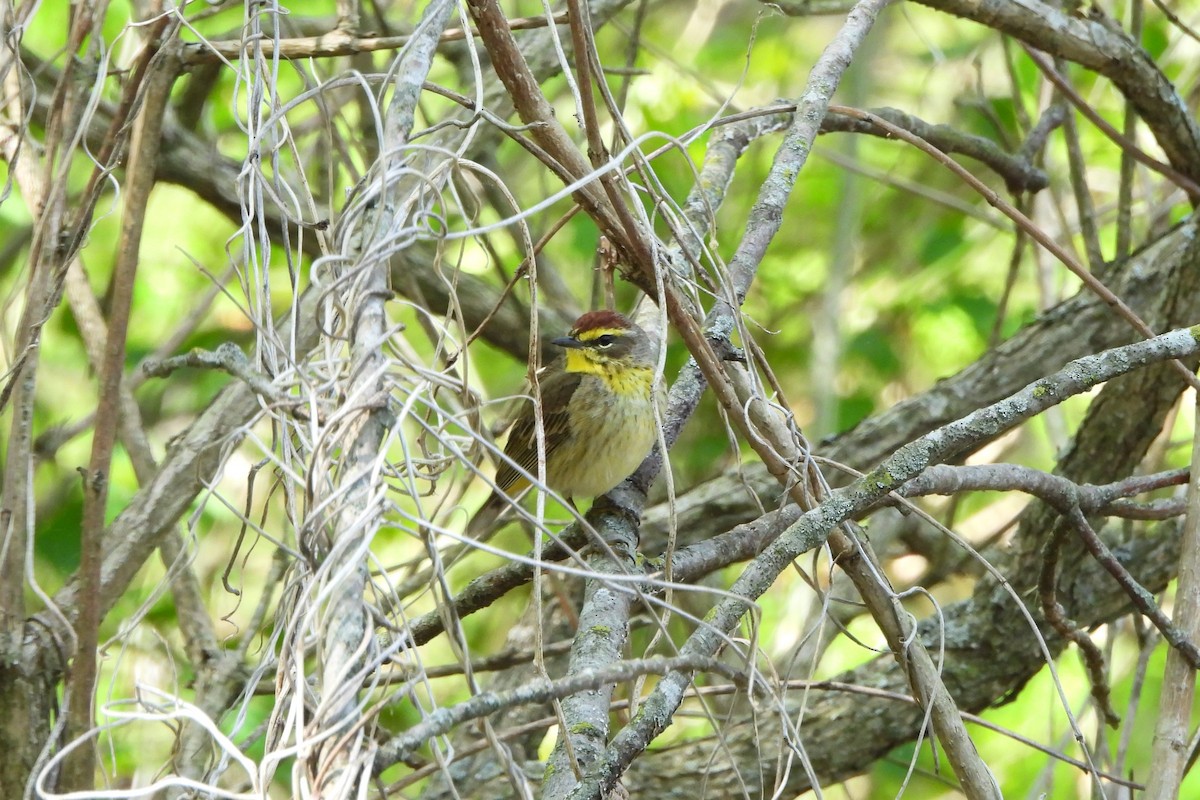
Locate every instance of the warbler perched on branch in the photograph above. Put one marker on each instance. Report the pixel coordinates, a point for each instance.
(597, 414)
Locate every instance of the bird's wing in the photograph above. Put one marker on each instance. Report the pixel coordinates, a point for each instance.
(521, 448)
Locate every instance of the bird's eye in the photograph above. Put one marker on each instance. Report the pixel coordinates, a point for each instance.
(606, 341)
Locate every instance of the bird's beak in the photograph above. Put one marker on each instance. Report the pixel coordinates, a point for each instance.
(568, 342)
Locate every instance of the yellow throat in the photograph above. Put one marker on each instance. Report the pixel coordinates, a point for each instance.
(621, 378)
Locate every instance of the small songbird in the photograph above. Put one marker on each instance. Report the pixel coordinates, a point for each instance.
(597, 412)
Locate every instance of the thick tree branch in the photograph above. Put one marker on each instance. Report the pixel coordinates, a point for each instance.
(1018, 170)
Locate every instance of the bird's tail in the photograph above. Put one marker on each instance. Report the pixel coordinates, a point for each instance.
(484, 524)
(480, 528)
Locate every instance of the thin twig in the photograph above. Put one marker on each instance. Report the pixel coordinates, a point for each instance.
(162, 69)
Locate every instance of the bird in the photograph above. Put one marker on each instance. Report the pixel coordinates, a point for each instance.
(598, 415)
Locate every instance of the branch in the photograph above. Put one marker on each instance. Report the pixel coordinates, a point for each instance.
(541, 690)
(816, 525)
(336, 42)
(196, 455)
(1169, 758)
(162, 66)
(1127, 145)
(188, 161)
(1026, 224)
(1101, 46)
(1056, 490)
(993, 654)
(1056, 616)
(346, 505)
(564, 158)
(1020, 174)
(228, 358)
(219, 675)
(1069, 330)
